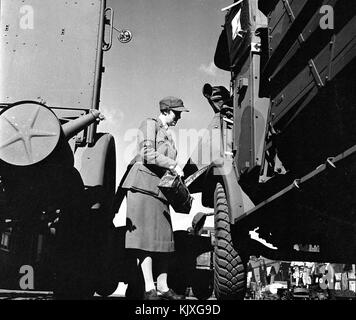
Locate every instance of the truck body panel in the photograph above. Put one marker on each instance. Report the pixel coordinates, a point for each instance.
(51, 52)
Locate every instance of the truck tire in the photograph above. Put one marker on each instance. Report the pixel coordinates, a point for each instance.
(86, 228)
(202, 284)
(178, 281)
(109, 279)
(69, 287)
(97, 166)
(229, 269)
(72, 280)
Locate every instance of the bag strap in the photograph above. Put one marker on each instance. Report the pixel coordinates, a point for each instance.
(121, 193)
(134, 160)
(156, 130)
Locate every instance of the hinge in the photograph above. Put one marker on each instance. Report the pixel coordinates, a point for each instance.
(289, 10)
(278, 101)
(332, 53)
(315, 73)
(301, 38)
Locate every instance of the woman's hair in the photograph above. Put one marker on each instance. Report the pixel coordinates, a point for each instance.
(165, 111)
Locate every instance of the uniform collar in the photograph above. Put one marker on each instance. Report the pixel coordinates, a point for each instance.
(160, 123)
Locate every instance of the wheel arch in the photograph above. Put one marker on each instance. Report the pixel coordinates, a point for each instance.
(224, 171)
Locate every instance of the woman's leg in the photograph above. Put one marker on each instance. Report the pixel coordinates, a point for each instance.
(146, 267)
(145, 277)
(162, 262)
(162, 285)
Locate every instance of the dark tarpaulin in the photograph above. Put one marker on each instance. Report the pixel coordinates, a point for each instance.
(222, 58)
(231, 48)
(267, 6)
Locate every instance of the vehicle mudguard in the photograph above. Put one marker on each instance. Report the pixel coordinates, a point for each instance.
(97, 166)
(224, 170)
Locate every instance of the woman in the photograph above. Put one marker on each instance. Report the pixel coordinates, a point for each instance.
(150, 235)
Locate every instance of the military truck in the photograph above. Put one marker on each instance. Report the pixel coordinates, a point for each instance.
(282, 140)
(57, 172)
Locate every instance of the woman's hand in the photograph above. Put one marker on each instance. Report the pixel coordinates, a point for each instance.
(178, 170)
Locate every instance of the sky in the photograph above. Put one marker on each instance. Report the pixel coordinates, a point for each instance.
(171, 53)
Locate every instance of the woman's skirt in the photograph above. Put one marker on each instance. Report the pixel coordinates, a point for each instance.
(148, 222)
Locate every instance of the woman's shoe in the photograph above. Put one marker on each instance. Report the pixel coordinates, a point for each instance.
(171, 295)
(151, 295)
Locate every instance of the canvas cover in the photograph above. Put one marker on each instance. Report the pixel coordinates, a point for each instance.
(235, 37)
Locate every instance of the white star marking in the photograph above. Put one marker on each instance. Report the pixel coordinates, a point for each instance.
(25, 133)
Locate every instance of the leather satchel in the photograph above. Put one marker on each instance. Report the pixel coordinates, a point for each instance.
(176, 192)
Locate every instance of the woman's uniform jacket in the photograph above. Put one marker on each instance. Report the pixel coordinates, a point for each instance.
(156, 154)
